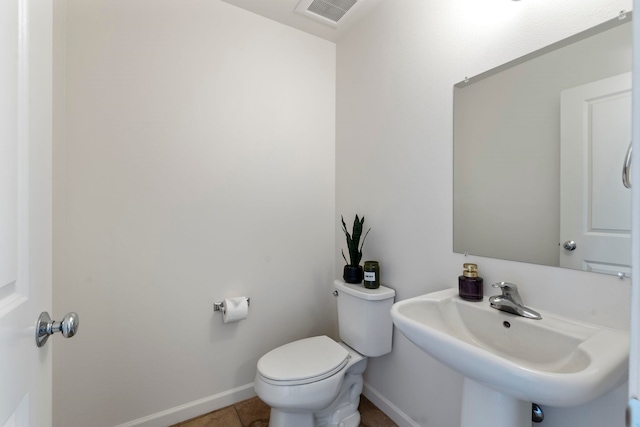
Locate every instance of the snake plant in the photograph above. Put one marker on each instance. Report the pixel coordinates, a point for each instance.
(353, 241)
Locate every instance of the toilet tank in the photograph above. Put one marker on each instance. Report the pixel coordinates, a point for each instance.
(364, 318)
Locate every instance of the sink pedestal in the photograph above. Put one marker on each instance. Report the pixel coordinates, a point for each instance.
(483, 406)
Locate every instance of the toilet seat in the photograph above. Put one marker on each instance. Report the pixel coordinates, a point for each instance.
(303, 361)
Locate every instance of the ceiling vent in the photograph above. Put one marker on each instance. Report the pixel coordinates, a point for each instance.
(330, 12)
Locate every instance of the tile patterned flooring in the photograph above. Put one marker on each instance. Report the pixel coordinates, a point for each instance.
(254, 413)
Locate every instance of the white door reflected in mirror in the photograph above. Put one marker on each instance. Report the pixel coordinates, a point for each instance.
(595, 207)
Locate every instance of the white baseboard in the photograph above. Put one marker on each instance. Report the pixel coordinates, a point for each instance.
(193, 409)
(391, 410)
(211, 403)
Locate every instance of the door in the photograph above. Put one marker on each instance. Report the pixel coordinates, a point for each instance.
(595, 205)
(25, 210)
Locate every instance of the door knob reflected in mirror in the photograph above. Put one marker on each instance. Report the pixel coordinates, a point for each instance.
(45, 327)
(626, 167)
(569, 245)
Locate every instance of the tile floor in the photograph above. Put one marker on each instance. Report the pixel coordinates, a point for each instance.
(255, 413)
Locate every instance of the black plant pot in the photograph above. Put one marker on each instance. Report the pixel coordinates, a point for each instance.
(353, 274)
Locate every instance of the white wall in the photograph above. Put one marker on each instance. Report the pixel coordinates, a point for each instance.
(198, 164)
(394, 165)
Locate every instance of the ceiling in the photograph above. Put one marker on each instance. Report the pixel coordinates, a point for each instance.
(283, 11)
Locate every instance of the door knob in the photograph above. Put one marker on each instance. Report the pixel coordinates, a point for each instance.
(45, 327)
(626, 167)
(569, 245)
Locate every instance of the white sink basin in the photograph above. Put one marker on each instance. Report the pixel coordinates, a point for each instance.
(553, 361)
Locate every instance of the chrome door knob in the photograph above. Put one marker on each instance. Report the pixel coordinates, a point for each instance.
(45, 327)
(570, 245)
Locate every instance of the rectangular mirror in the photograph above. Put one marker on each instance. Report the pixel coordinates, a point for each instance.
(539, 146)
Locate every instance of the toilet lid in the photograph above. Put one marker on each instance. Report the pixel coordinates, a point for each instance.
(303, 361)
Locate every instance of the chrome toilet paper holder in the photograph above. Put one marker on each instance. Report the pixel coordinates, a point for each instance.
(219, 306)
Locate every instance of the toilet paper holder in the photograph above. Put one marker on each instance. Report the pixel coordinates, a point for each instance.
(219, 306)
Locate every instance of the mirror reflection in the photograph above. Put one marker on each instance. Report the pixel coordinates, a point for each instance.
(539, 145)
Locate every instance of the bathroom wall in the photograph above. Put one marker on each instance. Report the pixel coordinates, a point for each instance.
(395, 79)
(194, 160)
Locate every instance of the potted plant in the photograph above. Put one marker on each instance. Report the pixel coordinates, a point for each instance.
(353, 272)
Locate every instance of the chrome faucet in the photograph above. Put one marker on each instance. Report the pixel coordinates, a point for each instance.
(511, 302)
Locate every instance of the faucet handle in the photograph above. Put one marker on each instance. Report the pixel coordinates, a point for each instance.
(509, 290)
(506, 286)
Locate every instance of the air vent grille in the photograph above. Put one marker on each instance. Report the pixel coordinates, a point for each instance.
(331, 9)
(327, 11)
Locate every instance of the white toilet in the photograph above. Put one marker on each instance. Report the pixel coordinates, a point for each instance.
(316, 381)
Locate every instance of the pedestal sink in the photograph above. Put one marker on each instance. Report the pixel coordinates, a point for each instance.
(509, 361)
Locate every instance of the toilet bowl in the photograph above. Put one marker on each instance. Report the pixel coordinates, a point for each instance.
(317, 382)
(324, 376)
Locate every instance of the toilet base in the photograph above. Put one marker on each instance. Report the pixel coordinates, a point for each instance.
(285, 419)
(342, 412)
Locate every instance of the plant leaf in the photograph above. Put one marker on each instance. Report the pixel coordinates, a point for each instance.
(353, 240)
